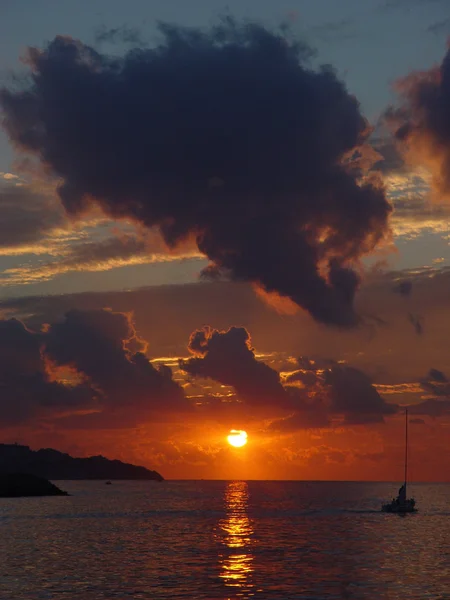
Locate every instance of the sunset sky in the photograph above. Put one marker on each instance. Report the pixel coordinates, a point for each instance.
(202, 228)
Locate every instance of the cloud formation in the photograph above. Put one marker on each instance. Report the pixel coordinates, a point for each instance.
(97, 255)
(421, 121)
(27, 390)
(336, 390)
(228, 357)
(28, 217)
(404, 287)
(104, 346)
(395, 355)
(89, 370)
(436, 383)
(313, 395)
(226, 135)
(432, 407)
(92, 362)
(113, 35)
(438, 27)
(352, 394)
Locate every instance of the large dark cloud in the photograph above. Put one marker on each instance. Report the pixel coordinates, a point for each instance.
(104, 346)
(226, 135)
(26, 389)
(91, 361)
(421, 121)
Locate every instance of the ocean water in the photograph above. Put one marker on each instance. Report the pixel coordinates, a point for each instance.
(220, 540)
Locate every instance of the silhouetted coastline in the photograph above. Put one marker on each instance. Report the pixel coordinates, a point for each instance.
(55, 465)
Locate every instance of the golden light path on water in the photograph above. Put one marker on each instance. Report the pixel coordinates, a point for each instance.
(236, 531)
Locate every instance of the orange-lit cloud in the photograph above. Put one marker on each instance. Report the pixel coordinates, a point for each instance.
(95, 244)
(95, 256)
(281, 304)
(295, 220)
(421, 123)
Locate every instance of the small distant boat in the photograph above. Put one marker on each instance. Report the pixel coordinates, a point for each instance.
(402, 504)
(108, 483)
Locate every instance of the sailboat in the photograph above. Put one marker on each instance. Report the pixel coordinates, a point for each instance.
(402, 504)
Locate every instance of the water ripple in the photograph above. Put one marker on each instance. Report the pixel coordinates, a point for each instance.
(224, 540)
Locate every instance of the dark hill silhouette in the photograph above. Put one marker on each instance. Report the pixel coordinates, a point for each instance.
(17, 485)
(51, 464)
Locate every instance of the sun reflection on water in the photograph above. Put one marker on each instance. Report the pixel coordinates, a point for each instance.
(236, 561)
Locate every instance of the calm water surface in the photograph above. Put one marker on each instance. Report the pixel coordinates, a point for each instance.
(211, 540)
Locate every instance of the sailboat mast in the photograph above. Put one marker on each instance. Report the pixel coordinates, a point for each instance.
(406, 446)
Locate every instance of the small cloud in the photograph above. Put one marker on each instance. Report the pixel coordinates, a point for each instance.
(431, 407)
(439, 27)
(114, 35)
(399, 388)
(404, 288)
(305, 419)
(417, 321)
(436, 375)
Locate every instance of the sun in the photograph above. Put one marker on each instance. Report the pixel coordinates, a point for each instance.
(237, 438)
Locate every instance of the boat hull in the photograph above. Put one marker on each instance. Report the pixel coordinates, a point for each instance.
(400, 508)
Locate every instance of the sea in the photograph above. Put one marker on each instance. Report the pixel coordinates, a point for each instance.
(225, 540)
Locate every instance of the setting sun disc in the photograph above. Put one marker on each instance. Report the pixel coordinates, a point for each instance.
(237, 438)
